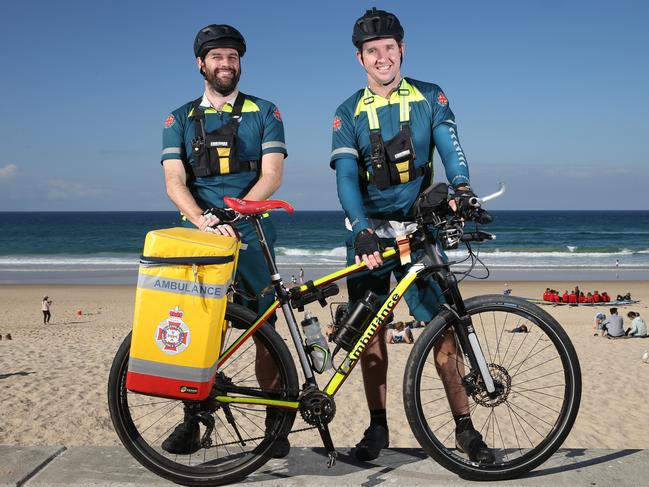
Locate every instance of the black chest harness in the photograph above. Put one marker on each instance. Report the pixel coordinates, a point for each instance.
(393, 161)
(215, 153)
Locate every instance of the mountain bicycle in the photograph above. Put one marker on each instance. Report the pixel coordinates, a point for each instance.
(523, 389)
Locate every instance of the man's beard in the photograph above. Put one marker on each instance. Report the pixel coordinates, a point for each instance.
(224, 88)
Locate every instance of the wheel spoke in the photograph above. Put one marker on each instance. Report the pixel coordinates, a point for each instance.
(146, 422)
(525, 368)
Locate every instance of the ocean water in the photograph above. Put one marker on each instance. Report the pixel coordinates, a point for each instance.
(109, 242)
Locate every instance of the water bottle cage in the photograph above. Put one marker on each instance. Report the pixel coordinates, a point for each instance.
(314, 347)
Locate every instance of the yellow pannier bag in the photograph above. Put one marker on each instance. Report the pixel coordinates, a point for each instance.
(179, 312)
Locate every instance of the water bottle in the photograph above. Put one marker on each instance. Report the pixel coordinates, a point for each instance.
(316, 343)
(356, 321)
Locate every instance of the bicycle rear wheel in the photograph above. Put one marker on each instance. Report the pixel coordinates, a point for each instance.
(537, 373)
(243, 434)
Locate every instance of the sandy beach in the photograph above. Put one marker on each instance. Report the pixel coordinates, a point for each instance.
(53, 378)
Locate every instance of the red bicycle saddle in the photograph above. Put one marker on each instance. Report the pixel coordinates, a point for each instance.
(248, 207)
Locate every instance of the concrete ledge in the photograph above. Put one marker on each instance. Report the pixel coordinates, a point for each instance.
(113, 466)
(19, 463)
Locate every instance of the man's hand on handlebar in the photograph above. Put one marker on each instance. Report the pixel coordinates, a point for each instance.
(368, 249)
(465, 201)
(467, 205)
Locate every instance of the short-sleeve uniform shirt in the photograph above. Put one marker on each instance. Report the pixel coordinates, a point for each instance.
(260, 132)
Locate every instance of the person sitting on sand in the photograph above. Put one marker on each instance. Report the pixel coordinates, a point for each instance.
(399, 334)
(600, 318)
(638, 326)
(614, 326)
(518, 329)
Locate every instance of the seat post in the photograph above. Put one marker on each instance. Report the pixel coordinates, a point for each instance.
(272, 268)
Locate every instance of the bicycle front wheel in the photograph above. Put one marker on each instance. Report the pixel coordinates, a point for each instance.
(536, 373)
(242, 435)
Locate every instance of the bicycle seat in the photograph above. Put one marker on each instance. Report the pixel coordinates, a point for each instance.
(248, 207)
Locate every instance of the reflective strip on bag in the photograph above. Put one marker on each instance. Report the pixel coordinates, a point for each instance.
(180, 286)
(178, 372)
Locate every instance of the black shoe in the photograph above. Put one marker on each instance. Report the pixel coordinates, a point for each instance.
(375, 438)
(184, 440)
(470, 442)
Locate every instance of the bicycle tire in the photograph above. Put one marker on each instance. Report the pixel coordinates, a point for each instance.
(513, 457)
(142, 434)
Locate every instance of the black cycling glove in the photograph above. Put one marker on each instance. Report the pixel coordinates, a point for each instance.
(464, 198)
(366, 243)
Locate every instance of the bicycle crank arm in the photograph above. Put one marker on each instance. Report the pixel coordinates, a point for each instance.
(328, 443)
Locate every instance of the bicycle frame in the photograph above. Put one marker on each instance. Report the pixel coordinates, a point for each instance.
(433, 264)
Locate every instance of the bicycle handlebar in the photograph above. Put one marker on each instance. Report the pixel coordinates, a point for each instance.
(479, 201)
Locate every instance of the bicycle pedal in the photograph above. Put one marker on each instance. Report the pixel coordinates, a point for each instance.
(331, 461)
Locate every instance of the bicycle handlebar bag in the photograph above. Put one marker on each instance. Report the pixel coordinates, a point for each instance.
(180, 305)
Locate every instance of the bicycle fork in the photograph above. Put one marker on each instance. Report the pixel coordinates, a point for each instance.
(469, 340)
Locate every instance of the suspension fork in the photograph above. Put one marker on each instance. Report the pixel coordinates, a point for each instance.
(464, 330)
(284, 302)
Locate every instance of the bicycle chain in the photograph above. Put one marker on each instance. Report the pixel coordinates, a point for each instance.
(260, 437)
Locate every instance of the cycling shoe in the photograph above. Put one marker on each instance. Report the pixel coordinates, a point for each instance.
(470, 442)
(375, 438)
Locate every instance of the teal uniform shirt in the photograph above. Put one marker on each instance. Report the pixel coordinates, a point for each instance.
(260, 132)
(429, 108)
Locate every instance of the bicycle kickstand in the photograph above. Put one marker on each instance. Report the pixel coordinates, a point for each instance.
(328, 443)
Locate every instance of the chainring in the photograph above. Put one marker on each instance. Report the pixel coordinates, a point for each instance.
(317, 407)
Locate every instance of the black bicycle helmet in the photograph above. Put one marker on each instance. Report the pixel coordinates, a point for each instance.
(214, 36)
(376, 24)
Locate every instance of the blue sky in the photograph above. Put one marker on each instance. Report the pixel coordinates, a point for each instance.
(551, 97)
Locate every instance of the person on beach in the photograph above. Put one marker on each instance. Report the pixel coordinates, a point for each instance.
(518, 329)
(638, 326)
(403, 120)
(225, 143)
(600, 318)
(614, 326)
(45, 308)
(399, 333)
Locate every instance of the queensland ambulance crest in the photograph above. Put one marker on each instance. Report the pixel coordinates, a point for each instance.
(172, 334)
